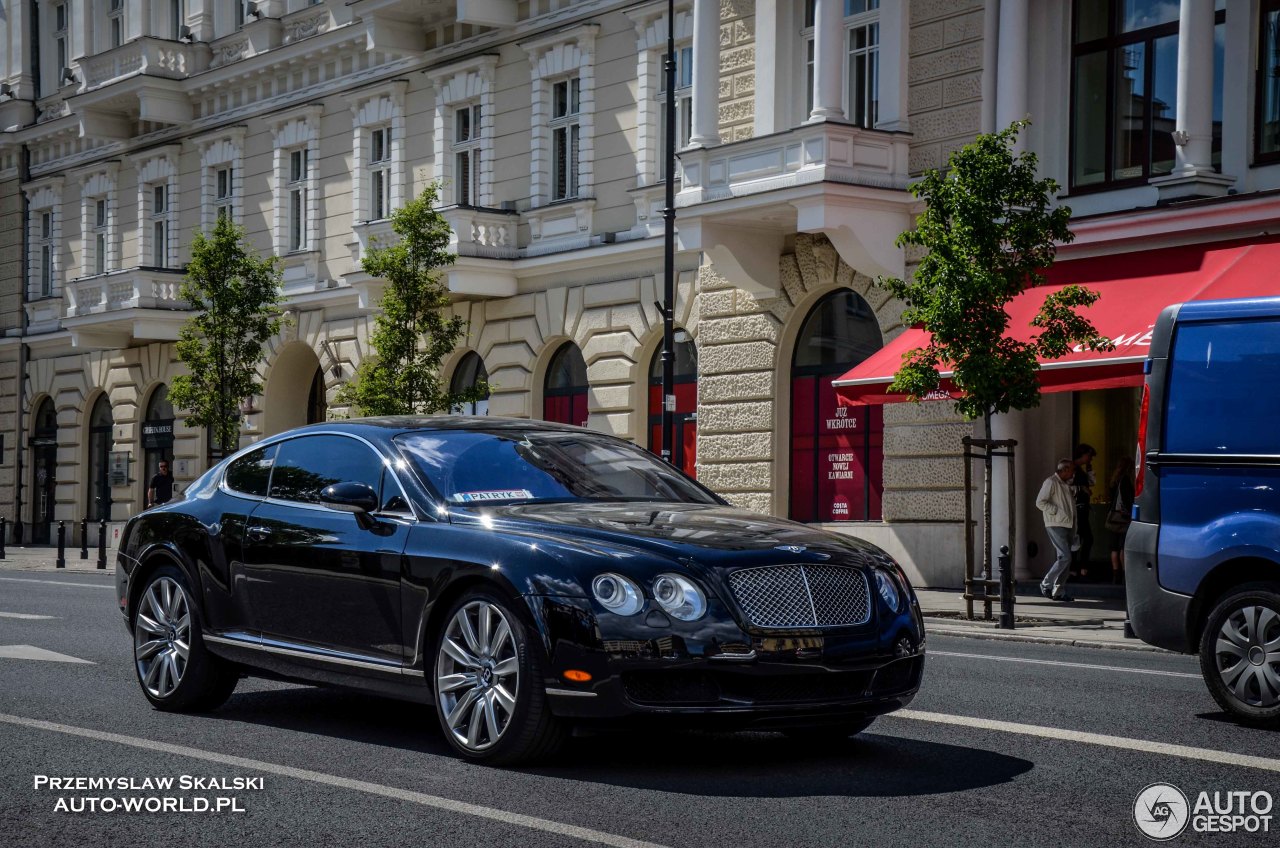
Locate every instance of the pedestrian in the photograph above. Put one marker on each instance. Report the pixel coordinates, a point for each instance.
(1057, 502)
(1120, 498)
(160, 489)
(1082, 482)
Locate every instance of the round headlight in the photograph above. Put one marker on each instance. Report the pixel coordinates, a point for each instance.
(888, 591)
(680, 597)
(617, 594)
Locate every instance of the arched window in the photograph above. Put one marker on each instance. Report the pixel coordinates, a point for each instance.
(157, 433)
(470, 371)
(317, 401)
(44, 471)
(99, 494)
(564, 395)
(685, 454)
(837, 455)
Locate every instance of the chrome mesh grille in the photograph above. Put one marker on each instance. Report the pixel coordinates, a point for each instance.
(802, 595)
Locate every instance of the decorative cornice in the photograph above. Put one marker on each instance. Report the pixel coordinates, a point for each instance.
(309, 113)
(583, 34)
(484, 64)
(141, 158)
(395, 89)
(110, 168)
(201, 142)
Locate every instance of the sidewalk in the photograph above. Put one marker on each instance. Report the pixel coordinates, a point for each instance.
(1093, 622)
(43, 558)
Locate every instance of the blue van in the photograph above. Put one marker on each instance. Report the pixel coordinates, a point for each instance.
(1202, 556)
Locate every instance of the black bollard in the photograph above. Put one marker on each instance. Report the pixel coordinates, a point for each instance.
(62, 544)
(102, 543)
(84, 538)
(1006, 589)
(4, 528)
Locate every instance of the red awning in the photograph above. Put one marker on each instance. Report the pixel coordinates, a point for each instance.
(1133, 288)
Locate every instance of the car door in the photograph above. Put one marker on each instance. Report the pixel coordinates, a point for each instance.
(322, 583)
(224, 582)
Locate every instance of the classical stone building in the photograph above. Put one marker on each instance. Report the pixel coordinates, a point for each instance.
(801, 122)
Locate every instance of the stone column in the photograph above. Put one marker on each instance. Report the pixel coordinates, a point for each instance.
(828, 60)
(1011, 63)
(894, 50)
(706, 74)
(772, 106)
(1195, 87)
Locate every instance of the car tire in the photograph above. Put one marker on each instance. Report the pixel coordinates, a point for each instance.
(472, 704)
(1240, 653)
(165, 624)
(819, 734)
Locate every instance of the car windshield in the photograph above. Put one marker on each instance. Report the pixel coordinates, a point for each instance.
(469, 467)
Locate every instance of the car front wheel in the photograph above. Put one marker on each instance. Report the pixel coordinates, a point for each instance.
(489, 687)
(175, 670)
(1240, 654)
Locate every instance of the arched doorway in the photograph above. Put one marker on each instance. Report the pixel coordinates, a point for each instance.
(157, 434)
(470, 371)
(564, 394)
(294, 394)
(44, 471)
(837, 453)
(98, 496)
(685, 454)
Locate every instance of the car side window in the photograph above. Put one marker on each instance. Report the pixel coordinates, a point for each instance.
(393, 502)
(250, 473)
(307, 464)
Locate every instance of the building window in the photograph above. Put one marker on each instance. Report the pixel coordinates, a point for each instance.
(1267, 90)
(467, 134)
(299, 165)
(685, 453)
(157, 435)
(223, 194)
(564, 394)
(837, 455)
(469, 372)
(159, 218)
(565, 140)
(177, 19)
(99, 236)
(684, 103)
(60, 28)
(380, 174)
(241, 12)
(862, 60)
(44, 471)
(101, 423)
(1124, 91)
(115, 22)
(45, 247)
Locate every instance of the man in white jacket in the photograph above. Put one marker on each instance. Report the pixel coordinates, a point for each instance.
(1058, 504)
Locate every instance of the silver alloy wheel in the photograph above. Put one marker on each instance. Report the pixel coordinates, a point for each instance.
(162, 637)
(477, 675)
(1248, 655)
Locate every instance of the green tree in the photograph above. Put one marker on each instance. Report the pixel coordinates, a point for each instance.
(990, 230)
(415, 328)
(236, 298)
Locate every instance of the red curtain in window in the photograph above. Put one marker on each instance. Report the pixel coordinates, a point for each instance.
(686, 448)
(566, 408)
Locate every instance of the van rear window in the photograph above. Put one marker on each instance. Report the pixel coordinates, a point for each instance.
(1222, 397)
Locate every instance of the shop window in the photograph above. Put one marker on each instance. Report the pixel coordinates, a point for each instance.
(101, 423)
(1125, 91)
(685, 453)
(837, 454)
(470, 371)
(1267, 88)
(157, 433)
(44, 471)
(564, 396)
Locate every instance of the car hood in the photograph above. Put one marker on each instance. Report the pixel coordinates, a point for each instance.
(708, 534)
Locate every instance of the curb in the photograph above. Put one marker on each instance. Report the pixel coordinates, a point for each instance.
(1004, 636)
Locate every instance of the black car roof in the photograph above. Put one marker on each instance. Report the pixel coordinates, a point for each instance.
(392, 425)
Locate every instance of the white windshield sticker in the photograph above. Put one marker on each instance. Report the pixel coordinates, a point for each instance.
(495, 495)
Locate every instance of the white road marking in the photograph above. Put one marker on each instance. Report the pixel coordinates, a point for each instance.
(25, 615)
(1145, 746)
(30, 652)
(59, 583)
(1130, 669)
(447, 804)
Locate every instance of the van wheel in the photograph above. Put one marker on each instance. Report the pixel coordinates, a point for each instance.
(1240, 654)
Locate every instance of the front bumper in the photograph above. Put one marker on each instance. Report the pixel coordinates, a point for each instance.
(714, 671)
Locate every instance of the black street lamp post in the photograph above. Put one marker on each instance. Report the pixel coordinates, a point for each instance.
(669, 248)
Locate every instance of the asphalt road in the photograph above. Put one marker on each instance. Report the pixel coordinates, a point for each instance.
(992, 752)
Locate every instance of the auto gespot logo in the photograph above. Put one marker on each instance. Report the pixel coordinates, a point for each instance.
(1162, 811)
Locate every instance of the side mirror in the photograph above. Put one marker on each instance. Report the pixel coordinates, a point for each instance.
(357, 498)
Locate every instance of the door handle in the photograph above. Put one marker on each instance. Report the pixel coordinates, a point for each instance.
(257, 534)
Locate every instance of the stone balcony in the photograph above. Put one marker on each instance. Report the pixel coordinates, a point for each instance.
(137, 81)
(146, 56)
(738, 202)
(113, 310)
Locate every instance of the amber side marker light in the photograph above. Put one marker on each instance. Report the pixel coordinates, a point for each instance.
(577, 675)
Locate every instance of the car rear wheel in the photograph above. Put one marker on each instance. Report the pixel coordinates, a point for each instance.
(1240, 654)
(489, 684)
(177, 673)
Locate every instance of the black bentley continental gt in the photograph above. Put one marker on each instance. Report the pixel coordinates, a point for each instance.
(524, 577)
